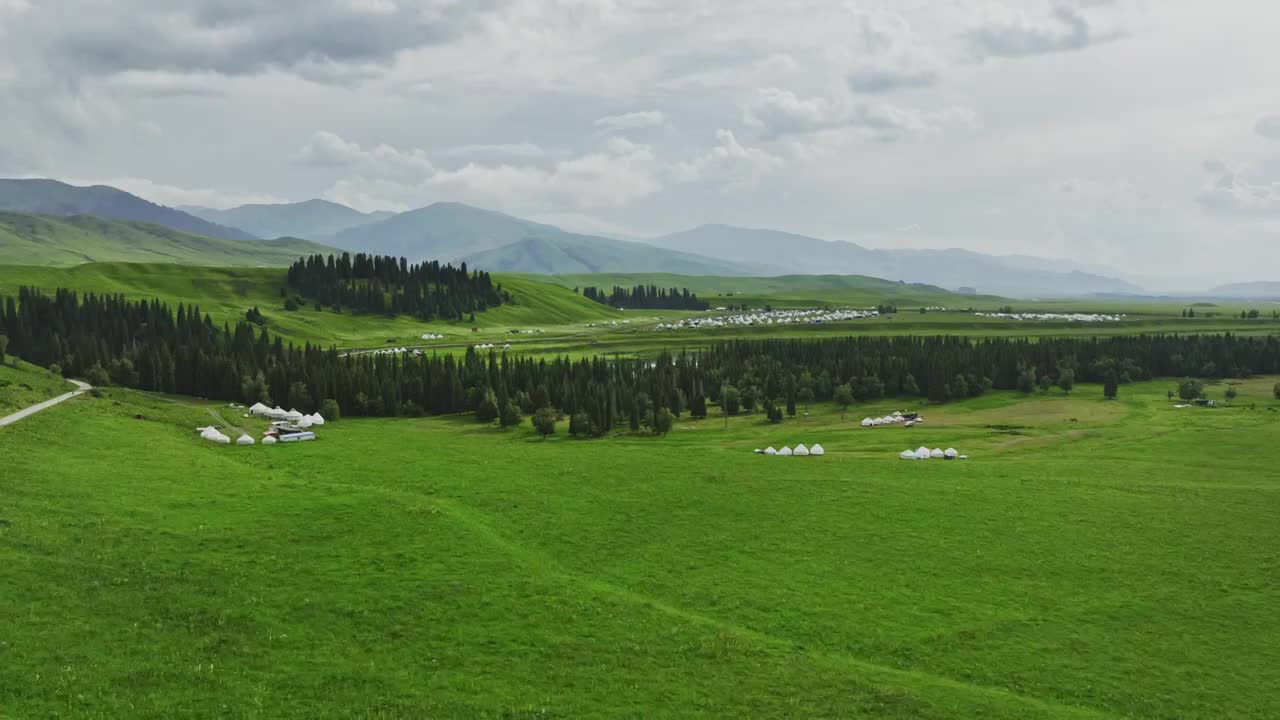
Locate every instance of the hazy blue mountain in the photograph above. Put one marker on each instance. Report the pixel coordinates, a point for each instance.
(312, 219)
(442, 231)
(51, 197)
(565, 253)
(790, 253)
(1260, 290)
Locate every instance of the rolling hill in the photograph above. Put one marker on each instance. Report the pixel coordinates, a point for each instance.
(225, 293)
(793, 254)
(51, 197)
(789, 290)
(39, 240)
(311, 219)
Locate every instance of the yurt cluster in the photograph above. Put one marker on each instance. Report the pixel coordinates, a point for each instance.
(286, 426)
(897, 418)
(799, 451)
(924, 453)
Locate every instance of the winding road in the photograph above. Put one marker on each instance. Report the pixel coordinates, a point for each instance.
(81, 387)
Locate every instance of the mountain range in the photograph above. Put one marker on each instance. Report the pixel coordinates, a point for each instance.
(309, 219)
(51, 197)
(485, 238)
(27, 239)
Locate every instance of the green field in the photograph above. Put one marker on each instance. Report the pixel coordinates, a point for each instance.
(22, 384)
(66, 241)
(570, 324)
(1093, 559)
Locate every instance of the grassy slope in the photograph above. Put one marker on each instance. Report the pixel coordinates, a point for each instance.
(23, 384)
(225, 294)
(40, 240)
(1103, 568)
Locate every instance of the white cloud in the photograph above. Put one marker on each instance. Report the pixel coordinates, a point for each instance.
(174, 196)
(778, 113)
(1016, 32)
(729, 164)
(325, 149)
(632, 120)
(1229, 191)
(1268, 127)
(524, 150)
(886, 55)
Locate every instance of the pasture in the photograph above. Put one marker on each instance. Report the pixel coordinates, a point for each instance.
(1093, 559)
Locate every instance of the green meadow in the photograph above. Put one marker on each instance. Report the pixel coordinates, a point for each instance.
(1093, 559)
(23, 385)
(563, 322)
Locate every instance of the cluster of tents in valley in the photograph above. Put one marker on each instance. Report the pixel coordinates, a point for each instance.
(799, 451)
(924, 453)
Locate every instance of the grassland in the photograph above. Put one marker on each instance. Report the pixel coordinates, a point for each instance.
(22, 385)
(566, 323)
(58, 242)
(1093, 560)
(226, 293)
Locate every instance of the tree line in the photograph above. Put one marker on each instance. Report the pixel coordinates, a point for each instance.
(393, 286)
(148, 345)
(646, 297)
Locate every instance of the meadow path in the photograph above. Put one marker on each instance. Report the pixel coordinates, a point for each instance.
(81, 387)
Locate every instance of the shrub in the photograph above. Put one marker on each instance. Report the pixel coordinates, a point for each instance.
(329, 410)
(544, 421)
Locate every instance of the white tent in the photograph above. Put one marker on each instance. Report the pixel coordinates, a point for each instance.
(801, 450)
(293, 415)
(888, 419)
(922, 453)
(897, 413)
(877, 422)
(786, 452)
(907, 455)
(770, 451)
(317, 419)
(937, 454)
(817, 450)
(951, 453)
(305, 422)
(269, 440)
(244, 440)
(258, 409)
(277, 412)
(214, 436)
(867, 422)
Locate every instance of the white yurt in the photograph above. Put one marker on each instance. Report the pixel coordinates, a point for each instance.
(269, 440)
(937, 454)
(877, 422)
(867, 422)
(317, 419)
(258, 409)
(293, 415)
(801, 450)
(922, 453)
(214, 436)
(785, 452)
(305, 422)
(817, 450)
(897, 413)
(907, 455)
(951, 453)
(770, 451)
(278, 413)
(244, 440)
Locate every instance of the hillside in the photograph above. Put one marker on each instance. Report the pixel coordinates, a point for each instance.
(40, 240)
(1261, 290)
(312, 219)
(855, 290)
(225, 293)
(567, 253)
(50, 197)
(790, 253)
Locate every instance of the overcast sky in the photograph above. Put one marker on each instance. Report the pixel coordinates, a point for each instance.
(1133, 133)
